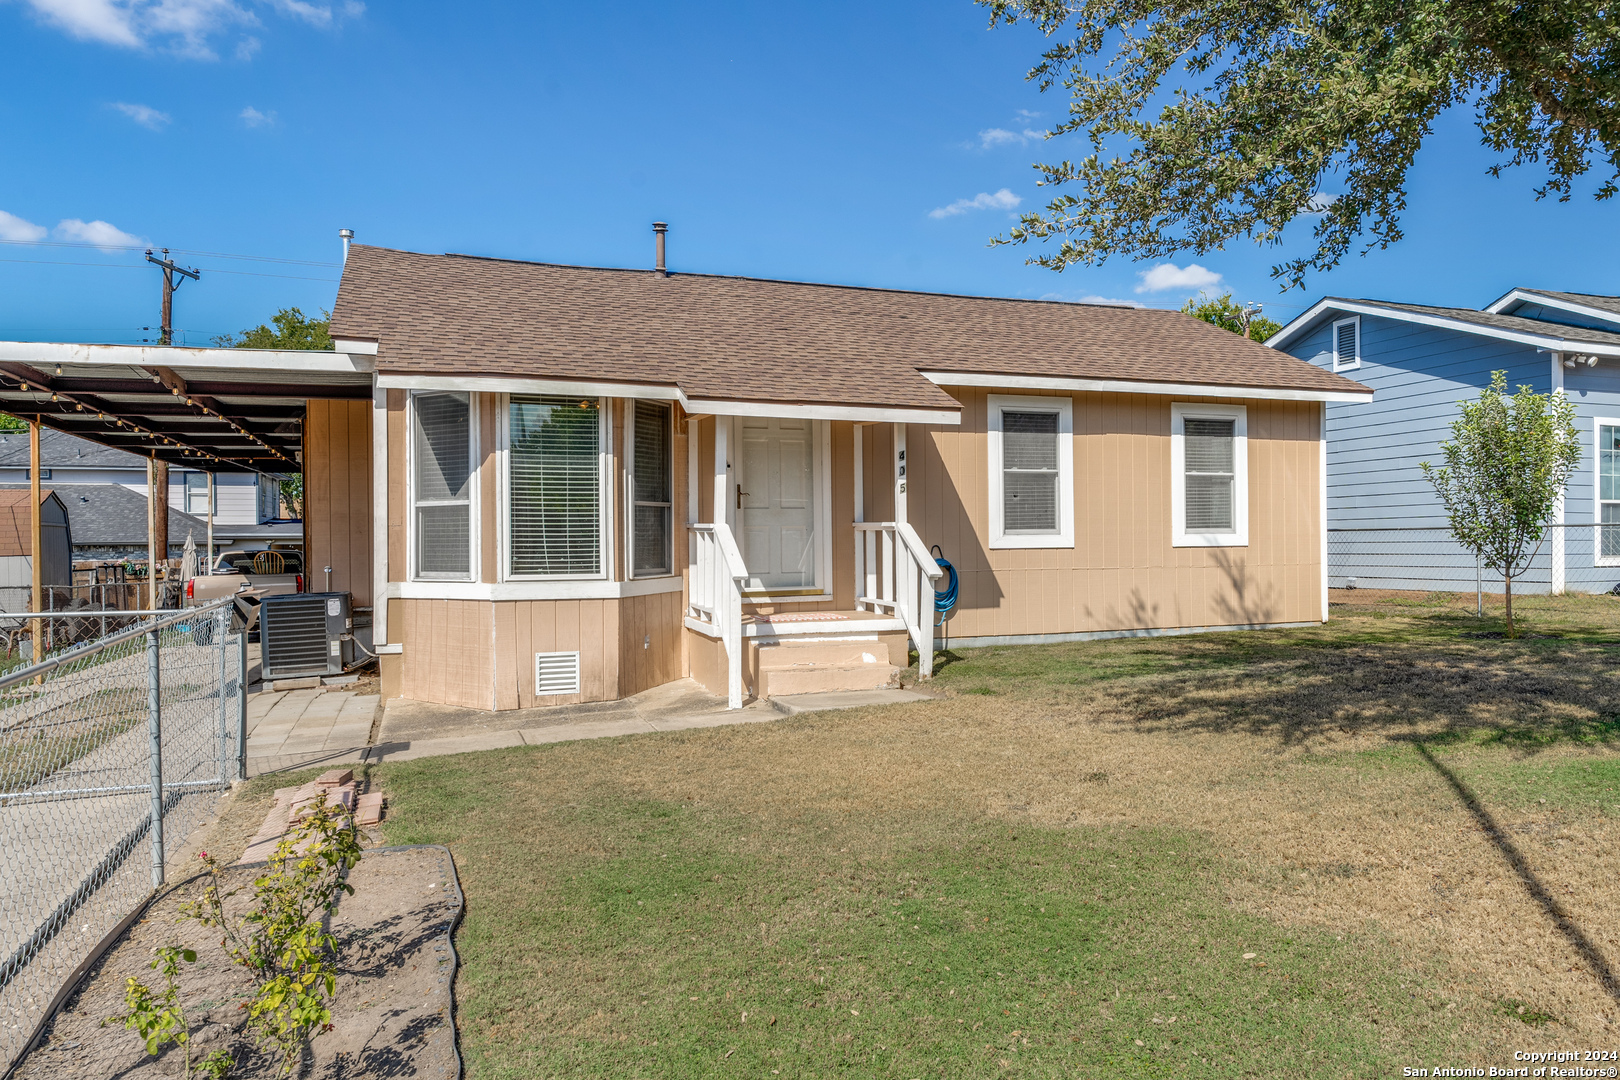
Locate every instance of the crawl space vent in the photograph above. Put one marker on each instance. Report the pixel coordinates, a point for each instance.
(556, 673)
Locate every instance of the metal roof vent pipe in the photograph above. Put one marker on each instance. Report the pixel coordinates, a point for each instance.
(660, 228)
(346, 235)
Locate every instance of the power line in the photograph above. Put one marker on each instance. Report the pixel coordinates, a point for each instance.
(177, 251)
(129, 266)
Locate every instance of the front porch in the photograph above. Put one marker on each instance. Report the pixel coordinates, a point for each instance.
(814, 597)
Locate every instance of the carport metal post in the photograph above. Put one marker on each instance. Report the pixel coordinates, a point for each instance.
(1479, 586)
(154, 726)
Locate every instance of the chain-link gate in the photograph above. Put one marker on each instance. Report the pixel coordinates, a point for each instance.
(110, 753)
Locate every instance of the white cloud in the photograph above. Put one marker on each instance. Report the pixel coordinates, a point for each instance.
(1168, 276)
(13, 227)
(1319, 203)
(247, 48)
(1001, 200)
(992, 137)
(186, 27)
(102, 234)
(1092, 298)
(144, 115)
(254, 118)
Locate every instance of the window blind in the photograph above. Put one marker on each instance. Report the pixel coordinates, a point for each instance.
(554, 486)
(442, 449)
(1029, 472)
(651, 540)
(1209, 447)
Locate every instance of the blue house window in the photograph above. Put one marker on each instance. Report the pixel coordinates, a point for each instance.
(1608, 494)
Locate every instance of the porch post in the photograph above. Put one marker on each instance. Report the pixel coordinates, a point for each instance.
(860, 474)
(899, 472)
(722, 489)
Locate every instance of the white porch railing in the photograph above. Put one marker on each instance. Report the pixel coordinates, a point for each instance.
(895, 575)
(714, 597)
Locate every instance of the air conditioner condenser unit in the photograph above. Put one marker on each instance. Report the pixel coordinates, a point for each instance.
(303, 634)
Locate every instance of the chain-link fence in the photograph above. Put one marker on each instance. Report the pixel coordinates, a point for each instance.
(72, 614)
(110, 753)
(1571, 558)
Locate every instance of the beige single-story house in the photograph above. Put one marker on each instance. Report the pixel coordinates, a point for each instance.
(545, 485)
(587, 482)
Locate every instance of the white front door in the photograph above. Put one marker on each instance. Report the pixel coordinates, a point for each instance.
(776, 513)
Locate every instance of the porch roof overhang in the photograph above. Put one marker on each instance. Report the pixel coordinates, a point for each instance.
(694, 405)
(218, 410)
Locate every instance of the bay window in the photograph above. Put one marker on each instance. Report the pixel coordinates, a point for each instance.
(441, 485)
(554, 486)
(651, 490)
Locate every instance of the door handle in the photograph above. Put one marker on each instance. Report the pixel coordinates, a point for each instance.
(740, 494)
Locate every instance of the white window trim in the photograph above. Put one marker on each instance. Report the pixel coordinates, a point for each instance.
(473, 509)
(1339, 363)
(1598, 558)
(604, 497)
(1064, 408)
(630, 488)
(1180, 413)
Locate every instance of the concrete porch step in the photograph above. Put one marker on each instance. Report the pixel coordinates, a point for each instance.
(792, 654)
(825, 678)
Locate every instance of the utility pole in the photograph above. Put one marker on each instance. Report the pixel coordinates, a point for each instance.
(1246, 316)
(173, 275)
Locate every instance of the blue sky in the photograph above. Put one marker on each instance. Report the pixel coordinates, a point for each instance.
(826, 141)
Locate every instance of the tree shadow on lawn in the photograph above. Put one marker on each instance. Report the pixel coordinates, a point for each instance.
(1529, 699)
(1588, 950)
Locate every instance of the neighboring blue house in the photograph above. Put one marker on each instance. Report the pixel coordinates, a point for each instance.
(1386, 527)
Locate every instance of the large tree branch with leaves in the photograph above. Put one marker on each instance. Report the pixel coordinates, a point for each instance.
(1271, 103)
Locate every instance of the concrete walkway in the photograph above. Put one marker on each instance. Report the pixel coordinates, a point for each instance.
(296, 729)
(303, 728)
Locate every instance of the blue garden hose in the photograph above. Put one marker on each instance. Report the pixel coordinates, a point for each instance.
(944, 599)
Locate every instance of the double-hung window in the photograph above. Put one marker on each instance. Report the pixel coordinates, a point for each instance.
(197, 494)
(1209, 476)
(1031, 472)
(554, 487)
(1608, 492)
(442, 485)
(651, 511)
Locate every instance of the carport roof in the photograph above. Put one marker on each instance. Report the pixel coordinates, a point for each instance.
(212, 409)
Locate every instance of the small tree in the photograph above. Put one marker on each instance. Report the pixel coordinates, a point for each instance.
(281, 940)
(1228, 314)
(1506, 465)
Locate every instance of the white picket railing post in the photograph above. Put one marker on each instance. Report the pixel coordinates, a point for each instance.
(895, 575)
(716, 598)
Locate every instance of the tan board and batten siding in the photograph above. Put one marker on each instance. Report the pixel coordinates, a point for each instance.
(1122, 574)
(337, 497)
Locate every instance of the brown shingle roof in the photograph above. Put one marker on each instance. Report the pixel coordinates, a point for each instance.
(756, 340)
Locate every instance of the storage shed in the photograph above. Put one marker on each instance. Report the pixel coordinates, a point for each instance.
(16, 541)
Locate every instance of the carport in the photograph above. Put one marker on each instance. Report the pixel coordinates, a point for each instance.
(214, 410)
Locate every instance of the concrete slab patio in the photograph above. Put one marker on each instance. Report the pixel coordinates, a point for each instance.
(413, 729)
(298, 729)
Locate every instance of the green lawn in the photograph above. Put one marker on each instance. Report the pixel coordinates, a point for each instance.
(1222, 855)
